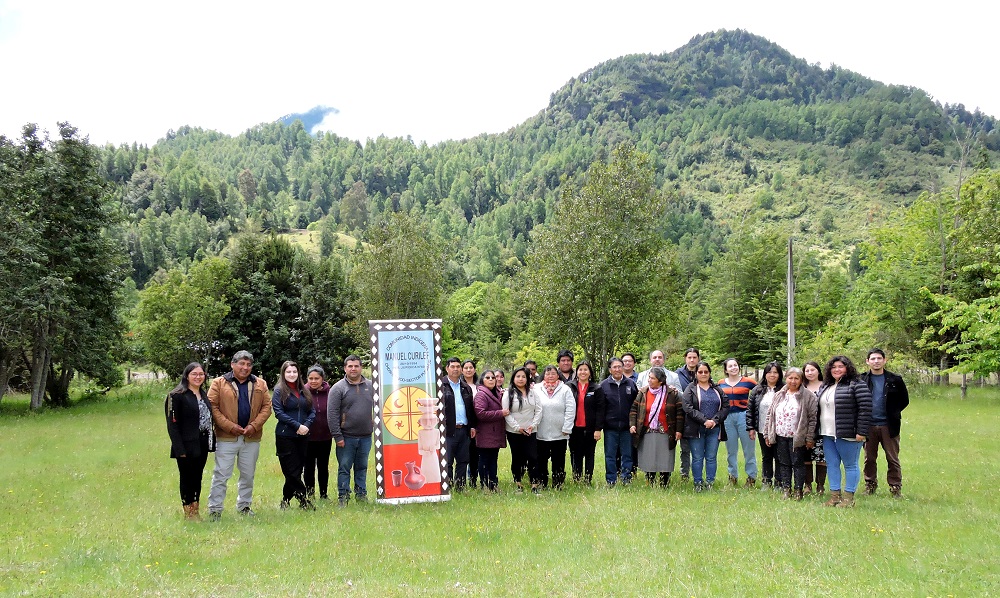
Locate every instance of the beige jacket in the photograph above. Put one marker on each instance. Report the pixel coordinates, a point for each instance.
(224, 395)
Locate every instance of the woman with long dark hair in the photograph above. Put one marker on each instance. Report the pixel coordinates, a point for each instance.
(705, 409)
(813, 374)
(490, 415)
(472, 379)
(320, 443)
(589, 422)
(293, 407)
(189, 425)
(845, 408)
(521, 423)
(757, 407)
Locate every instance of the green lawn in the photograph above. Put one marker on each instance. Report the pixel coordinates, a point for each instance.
(90, 507)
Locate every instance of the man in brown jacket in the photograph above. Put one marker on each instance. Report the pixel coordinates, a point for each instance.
(240, 406)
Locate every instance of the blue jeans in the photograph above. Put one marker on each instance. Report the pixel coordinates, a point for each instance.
(705, 450)
(617, 442)
(354, 454)
(837, 451)
(736, 431)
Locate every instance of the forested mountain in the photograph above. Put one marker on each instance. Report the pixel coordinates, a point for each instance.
(748, 145)
(735, 125)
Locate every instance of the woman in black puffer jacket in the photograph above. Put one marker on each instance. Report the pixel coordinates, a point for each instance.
(845, 407)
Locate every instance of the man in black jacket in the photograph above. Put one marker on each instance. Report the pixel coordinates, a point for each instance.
(889, 398)
(619, 394)
(459, 421)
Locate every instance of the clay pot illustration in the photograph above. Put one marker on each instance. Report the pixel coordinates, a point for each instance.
(414, 480)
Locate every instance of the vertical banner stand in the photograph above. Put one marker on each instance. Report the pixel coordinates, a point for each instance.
(409, 417)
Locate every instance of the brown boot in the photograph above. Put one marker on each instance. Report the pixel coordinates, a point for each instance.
(189, 513)
(834, 499)
(807, 489)
(896, 491)
(786, 493)
(797, 495)
(751, 483)
(734, 481)
(195, 509)
(847, 501)
(870, 488)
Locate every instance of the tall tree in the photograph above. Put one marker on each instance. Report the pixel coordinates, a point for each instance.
(399, 270)
(179, 316)
(597, 272)
(72, 294)
(972, 309)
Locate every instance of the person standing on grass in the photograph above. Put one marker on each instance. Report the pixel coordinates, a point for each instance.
(459, 422)
(240, 406)
(845, 407)
(705, 409)
(532, 368)
(619, 393)
(814, 380)
(565, 362)
(501, 383)
(628, 367)
(588, 423)
(686, 376)
(350, 413)
(737, 388)
(189, 425)
(789, 428)
(757, 407)
(490, 415)
(656, 360)
(470, 377)
(521, 421)
(320, 440)
(555, 426)
(656, 421)
(889, 398)
(293, 408)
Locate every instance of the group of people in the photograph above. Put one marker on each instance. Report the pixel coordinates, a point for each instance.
(811, 425)
(228, 419)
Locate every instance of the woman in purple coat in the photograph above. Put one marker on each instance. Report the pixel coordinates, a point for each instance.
(490, 436)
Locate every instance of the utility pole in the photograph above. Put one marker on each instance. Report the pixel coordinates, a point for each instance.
(790, 284)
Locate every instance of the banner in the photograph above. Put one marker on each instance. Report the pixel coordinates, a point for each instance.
(409, 421)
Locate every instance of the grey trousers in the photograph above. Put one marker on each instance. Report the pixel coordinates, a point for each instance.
(243, 455)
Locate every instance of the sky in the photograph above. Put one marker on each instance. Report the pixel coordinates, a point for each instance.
(124, 71)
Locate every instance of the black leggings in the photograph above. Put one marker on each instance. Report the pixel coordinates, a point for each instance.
(581, 453)
(523, 456)
(554, 450)
(191, 470)
(318, 457)
(291, 453)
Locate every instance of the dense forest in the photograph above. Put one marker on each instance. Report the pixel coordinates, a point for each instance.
(745, 146)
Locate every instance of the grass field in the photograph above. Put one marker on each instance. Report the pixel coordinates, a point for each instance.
(90, 507)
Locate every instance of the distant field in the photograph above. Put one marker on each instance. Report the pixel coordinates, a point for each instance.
(90, 508)
(309, 239)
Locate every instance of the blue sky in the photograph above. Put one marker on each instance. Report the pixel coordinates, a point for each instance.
(124, 71)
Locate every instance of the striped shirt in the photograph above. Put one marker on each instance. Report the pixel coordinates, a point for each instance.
(738, 394)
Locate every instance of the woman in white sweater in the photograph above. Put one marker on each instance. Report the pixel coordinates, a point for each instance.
(558, 413)
(521, 422)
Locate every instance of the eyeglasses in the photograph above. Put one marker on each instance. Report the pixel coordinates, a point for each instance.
(488, 378)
